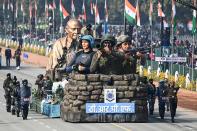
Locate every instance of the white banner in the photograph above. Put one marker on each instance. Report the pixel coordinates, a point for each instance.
(171, 59)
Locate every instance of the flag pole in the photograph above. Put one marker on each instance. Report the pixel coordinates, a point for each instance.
(125, 22)
(61, 27)
(36, 18)
(53, 22)
(45, 21)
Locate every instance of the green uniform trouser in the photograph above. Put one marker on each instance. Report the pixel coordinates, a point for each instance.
(173, 106)
(8, 102)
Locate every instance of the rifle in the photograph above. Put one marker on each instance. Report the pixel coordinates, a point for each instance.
(62, 60)
(142, 50)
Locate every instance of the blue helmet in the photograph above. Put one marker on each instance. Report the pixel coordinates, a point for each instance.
(89, 38)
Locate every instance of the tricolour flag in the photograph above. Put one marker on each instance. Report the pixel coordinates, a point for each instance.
(91, 7)
(97, 16)
(151, 12)
(46, 9)
(106, 12)
(16, 9)
(73, 9)
(160, 12)
(3, 5)
(8, 4)
(63, 11)
(173, 22)
(35, 8)
(30, 10)
(130, 12)
(138, 14)
(194, 22)
(84, 11)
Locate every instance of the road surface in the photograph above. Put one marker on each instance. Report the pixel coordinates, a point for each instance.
(186, 120)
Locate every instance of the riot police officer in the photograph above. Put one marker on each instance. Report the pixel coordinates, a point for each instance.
(151, 96)
(8, 89)
(25, 94)
(173, 90)
(162, 93)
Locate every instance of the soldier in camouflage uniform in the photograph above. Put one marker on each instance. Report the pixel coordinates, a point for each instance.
(17, 98)
(105, 60)
(65, 48)
(151, 96)
(8, 89)
(13, 86)
(173, 100)
(123, 48)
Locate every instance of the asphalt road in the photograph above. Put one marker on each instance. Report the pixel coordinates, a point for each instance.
(186, 120)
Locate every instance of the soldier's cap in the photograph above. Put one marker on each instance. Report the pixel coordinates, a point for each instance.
(110, 38)
(8, 74)
(123, 38)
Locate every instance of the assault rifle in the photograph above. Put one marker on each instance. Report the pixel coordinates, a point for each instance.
(61, 61)
(142, 50)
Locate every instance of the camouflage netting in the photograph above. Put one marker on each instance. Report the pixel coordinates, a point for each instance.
(83, 89)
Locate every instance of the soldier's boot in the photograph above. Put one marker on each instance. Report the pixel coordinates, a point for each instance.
(18, 114)
(13, 112)
(172, 119)
(8, 108)
(151, 112)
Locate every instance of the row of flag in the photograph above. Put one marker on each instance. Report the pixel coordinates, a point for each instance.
(63, 12)
(132, 14)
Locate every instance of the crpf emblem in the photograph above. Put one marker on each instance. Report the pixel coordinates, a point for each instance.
(110, 95)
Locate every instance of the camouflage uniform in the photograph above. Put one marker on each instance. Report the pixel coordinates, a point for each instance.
(105, 63)
(8, 90)
(130, 59)
(151, 96)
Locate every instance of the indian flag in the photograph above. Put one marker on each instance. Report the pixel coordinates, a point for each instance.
(173, 15)
(151, 12)
(97, 16)
(138, 14)
(160, 12)
(63, 11)
(130, 12)
(194, 22)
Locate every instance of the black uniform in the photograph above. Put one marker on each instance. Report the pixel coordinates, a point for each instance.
(151, 96)
(173, 100)
(162, 93)
(8, 89)
(25, 94)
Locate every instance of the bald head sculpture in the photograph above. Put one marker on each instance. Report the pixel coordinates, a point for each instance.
(73, 28)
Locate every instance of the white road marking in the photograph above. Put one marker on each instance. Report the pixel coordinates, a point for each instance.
(47, 126)
(41, 123)
(35, 120)
(4, 104)
(54, 130)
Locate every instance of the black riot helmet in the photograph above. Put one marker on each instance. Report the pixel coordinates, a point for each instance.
(25, 82)
(15, 78)
(8, 75)
(17, 83)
